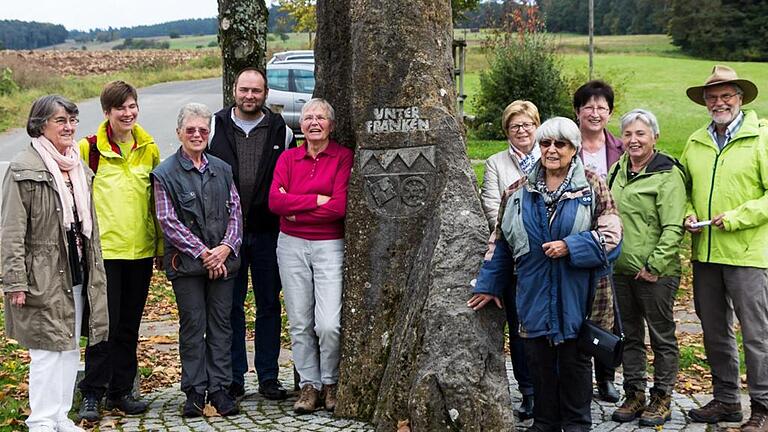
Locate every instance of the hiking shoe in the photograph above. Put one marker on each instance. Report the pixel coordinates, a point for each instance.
(659, 410)
(127, 404)
(758, 420)
(90, 409)
(633, 406)
(329, 397)
(224, 403)
(606, 391)
(525, 410)
(194, 405)
(309, 400)
(236, 391)
(716, 411)
(273, 390)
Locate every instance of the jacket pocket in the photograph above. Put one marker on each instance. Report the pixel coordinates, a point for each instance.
(513, 228)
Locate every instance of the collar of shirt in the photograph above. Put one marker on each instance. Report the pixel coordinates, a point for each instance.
(203, 166)
(329, 150)
(730, 131)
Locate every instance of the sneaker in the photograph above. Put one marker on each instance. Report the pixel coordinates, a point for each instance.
(633, 406)
(309, 400)
(90, 409)
(329, 397)
(127, 404)
(716, 411)
(758, 421)
(237, 391)
(659, 411)
(607, 392)
(224, 403)
(273, 390)
(68, 426)
(194, 405)
(525, 410)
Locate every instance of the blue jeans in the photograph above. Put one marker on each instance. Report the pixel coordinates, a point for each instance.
(516, 345)
(258, 252)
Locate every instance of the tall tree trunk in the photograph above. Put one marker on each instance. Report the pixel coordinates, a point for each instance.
(415, 233)
(242, 38)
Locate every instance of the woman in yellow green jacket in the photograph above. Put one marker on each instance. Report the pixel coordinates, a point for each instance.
(122, 154)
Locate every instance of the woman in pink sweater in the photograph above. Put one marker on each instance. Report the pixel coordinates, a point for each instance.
(309, 193)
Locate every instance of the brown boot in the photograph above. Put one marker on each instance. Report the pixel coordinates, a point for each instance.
(633, 406)
(758, 421)
(716, 411)
(309, 400)
(329, 396)
(658, 411)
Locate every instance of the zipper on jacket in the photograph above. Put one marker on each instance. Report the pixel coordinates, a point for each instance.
(709, 207)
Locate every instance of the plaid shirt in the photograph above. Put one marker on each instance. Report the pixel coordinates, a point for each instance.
(177, 234)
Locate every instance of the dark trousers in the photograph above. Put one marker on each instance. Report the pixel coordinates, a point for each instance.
(516, 343)
(604, 372)
(258, 252)
(205, 335)
(112, 364)
(562, 381)
(651, 303)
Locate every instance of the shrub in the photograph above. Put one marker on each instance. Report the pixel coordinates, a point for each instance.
(7, 84)
(523, 65)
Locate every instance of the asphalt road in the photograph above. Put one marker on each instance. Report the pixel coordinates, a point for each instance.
(159, 106)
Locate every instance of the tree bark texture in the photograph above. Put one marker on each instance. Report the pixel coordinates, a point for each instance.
(415, 233)
(243, 39)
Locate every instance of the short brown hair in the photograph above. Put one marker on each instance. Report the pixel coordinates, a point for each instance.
(115, 94)
(519, 107)
(250, 69)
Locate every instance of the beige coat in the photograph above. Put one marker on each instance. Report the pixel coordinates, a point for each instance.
(34, 258)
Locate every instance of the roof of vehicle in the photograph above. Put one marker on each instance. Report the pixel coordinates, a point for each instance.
(292, 65)
(300, 56)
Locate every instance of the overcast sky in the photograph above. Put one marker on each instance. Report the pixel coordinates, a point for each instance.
(88, 14)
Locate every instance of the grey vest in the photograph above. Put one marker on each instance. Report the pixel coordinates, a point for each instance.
(201, 202)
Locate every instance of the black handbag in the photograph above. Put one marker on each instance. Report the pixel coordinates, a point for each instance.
(605, 346)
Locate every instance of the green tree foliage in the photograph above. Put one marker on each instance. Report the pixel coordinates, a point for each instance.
(524, 65)
(721, 29)
(459, 8)
(139, 44)
(612, 17)
(15, 34)
(485, 15)
(303, 12)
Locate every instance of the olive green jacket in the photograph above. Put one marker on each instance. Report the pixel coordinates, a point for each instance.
(34, 257)
(652, 206)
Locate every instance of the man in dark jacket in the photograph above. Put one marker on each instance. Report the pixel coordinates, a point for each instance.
(249, 137)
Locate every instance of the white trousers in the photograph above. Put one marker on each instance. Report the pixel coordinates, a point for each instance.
(311, 275)
(52, 376)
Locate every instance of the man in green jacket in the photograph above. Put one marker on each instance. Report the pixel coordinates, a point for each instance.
(726, 164)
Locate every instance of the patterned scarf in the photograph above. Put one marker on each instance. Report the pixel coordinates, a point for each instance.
(56, 163)
(551, 198)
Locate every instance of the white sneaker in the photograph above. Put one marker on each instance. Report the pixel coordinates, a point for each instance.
(42, 428)
(68, 426)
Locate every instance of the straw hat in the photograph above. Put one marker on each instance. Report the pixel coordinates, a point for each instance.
(723, 75)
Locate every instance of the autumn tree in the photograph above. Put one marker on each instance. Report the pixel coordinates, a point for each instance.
(304, 13)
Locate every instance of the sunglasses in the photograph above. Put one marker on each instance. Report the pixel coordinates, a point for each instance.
(548, 142)
(191, 131)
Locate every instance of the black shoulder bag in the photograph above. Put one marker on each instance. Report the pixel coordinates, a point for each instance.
(604, 345)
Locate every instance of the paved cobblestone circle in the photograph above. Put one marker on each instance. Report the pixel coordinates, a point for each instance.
(260, 414)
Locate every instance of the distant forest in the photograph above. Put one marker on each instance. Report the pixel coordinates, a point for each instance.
(16, 34)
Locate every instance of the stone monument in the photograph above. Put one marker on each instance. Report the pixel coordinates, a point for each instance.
(415, 234)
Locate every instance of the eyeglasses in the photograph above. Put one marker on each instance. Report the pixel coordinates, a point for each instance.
(525, 126)
(309, 118)
(725, 97)
(558, 144)
(191, 131)
(61, 121)
(596, 109)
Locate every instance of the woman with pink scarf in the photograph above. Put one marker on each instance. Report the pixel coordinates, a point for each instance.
(51, 260)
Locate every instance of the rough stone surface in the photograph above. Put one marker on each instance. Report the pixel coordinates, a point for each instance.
(411, 349)
(242, 37)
